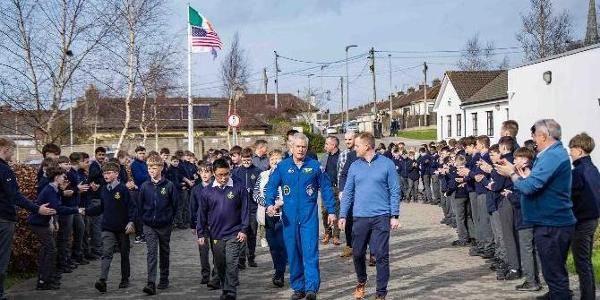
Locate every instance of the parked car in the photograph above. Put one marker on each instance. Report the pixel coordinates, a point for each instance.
(351, 126)
(331, 130)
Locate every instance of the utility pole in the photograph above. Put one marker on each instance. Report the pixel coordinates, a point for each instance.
(342, 94)
(265, 83)
(372, 67)
(276, 81)
(391, 97)
(425, 93)
(348, 84)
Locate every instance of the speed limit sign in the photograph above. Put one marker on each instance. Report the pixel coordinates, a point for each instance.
(234, 120)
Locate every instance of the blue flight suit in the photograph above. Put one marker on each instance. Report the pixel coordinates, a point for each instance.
(300, 217)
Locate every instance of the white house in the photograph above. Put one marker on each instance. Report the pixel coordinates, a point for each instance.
(471, 103)
(565, 87)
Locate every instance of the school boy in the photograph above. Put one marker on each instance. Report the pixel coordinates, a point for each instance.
(118, 213)
(158, 202)
(484, 225)
(224, 210)
(139, 172)
(585, 192)
(69, 198)
(457, 190)
(424, 162)
(412, 170)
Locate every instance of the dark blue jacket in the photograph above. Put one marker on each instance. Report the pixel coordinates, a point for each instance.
(585, 190)
(95, 175)
(434, 164)
(453, 186)
(50, 195)
(411, 169)
(139, 172)
(247, 177)
(195, 202)
(224, 211)
(123, 177)
(158, 203)
(10, 195)
(424, 162)
(398, 163)
(403, 168)
(42, 182)
(472, 166)
(116, 207)
(480, 186)
(74, 180)
(176, 175)
(84, 198)
(344, 174)
(547, 190)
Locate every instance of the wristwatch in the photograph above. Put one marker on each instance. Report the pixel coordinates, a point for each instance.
(395, 216)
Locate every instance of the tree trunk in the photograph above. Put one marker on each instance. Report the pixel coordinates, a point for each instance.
(130, 86)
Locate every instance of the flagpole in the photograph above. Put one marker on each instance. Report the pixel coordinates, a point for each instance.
(190, 104)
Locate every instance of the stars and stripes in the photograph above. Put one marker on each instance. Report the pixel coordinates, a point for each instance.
(203, 38)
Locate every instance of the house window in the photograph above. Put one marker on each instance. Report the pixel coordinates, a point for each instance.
(474, 119)
(490, 122)
(458, 124)
(449, 125)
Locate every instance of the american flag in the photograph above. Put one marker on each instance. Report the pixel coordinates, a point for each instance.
(203, 38)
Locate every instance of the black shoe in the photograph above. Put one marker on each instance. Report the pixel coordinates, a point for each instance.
(252, 264)
(46, 286)
(181, 226)
(278, 280)
(163, 284)
(83, 261)
(311, 296)
(474, 251)
(150, 289)
(487, 254)
(90, 257)
(298, 295)
(512, 274)
(545, 296)
(501, 274)
(242, 266)
(100, 285)
(212, 285)
(460, 243)
(227, 297)
(65, 270)
(204, 281)
(528, 287)
(124, 284)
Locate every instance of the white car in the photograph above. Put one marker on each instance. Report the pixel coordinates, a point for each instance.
(331, 130)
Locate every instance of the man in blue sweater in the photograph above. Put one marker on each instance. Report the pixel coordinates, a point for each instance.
(374, 189)
(224, 209)
(300, 179)
(10, 197)
(139, 172)
(546, 203)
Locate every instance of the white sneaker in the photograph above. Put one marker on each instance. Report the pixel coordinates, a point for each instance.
(264, 243)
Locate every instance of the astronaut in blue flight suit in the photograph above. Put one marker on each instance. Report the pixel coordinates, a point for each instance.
(300, 179)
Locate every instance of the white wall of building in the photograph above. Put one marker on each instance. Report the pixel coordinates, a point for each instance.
(447, 107)
(572, 98)
(499, 114)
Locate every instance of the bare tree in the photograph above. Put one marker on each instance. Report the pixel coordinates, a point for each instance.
(45, 45)
(543, 32)
(235, 69)
(475, 56)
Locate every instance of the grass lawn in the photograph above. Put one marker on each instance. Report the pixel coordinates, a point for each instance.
(427, 134)
(595, 263)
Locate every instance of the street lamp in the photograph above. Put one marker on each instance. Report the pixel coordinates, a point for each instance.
(309, 76)
(348, 83)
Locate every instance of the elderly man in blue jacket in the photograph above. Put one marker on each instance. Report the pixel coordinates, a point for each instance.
(546, 204)
(300, 179)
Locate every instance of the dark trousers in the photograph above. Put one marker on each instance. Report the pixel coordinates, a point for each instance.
(435, 186)
(249, 246)
(63, 240)
(46, 252)
(226, 254)
(581, 247)
(475, 216)
(528, 255)
(552, 244)
(485, 225)
(403, 187)
(158, 239)
(139, 226)
(204, 260)
(349, 224)
(7, 231)
(412, 190)
(375, 232)
(274, 233)
(78, 235)
(460, 207)
(111, 241)
(182, 215)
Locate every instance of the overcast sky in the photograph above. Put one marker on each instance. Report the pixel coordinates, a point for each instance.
(319, 30)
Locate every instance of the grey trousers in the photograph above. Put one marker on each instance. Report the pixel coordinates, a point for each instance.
(182, 216)
(226, 254)
(460, 207)
(485, 226)
(475, 216)
(581, 246)
(528, 254)
(496, 224)
(435, 186)
(412, 190)
(427, 188)
(509, 234)
(203, 251)
(7, 231)
(46, 253)
(404, 186)
(110, 242)
(158, 239)
(63, 240)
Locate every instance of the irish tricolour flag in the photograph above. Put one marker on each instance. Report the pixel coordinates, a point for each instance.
(202, 36)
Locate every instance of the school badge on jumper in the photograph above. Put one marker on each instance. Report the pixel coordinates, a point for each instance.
(252, 177)
(309, 190)
(286, 190)
(307, 170)
(117, 195)
(230, 195)
(215, 242)
(290, 170)
(163, 191)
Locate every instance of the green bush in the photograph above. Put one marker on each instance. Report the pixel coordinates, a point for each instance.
(315, 142)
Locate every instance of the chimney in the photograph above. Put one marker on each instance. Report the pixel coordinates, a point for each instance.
(423, 86)
(410, 90)
(399, 93)
(436, 81)
(591, 35)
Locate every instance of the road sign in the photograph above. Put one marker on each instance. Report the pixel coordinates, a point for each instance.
(234, 120)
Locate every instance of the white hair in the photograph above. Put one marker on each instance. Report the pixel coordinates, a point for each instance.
(549, 127)
(299, 136)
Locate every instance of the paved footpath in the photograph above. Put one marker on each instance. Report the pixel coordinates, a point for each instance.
(423, 266)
